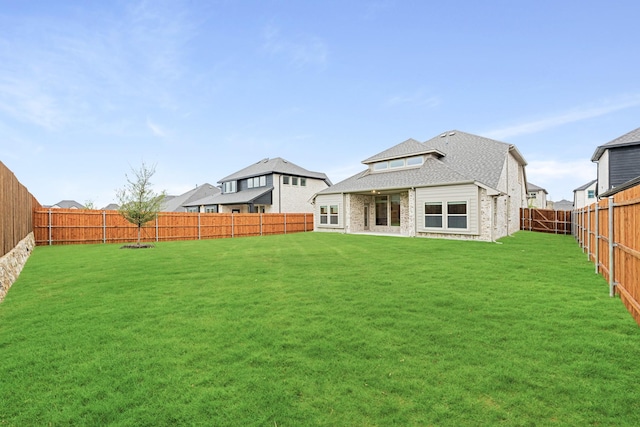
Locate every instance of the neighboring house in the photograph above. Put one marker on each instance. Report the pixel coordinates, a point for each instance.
(189, 201)
(618, 161)
(111, 207)
(455, 185)
(270, 186)
(585, 194)
(563, 205)
(67, 204)
(537, 196)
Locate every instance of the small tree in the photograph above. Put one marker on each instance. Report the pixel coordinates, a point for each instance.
(139, 204)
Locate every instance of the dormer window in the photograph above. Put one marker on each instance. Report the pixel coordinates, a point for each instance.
(398, 163)
(229, 187)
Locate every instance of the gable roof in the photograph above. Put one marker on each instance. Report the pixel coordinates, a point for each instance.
(533, 187)
(68, 204)
(240, 197)
(176, 203)
(628, 139)
(463, 158)
(275, 165)
(585, 186)
(410, 147)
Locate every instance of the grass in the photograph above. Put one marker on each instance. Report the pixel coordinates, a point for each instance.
(318, 329)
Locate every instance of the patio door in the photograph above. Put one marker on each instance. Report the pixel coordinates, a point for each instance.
(366, 217)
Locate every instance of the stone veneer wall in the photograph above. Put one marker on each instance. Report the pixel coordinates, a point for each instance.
(12, 263)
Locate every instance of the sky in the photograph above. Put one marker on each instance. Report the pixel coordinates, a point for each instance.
(201, 89)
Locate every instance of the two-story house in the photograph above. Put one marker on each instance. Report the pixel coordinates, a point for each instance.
(270, 186)
(618, 161)
(537, 196)
(455, 185)
(585, 194)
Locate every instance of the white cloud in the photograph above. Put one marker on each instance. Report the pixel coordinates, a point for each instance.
(300, 51)
(560, 178)
(156, 130)
(560, 119)
(415, 99)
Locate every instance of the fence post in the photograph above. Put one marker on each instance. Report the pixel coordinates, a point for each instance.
(261, 223)
(285, 223)
(530, 219)
(157, 228)
(589, 232)
(49, 226)
(611, 247)
(232, 227)
(597, 236)
(104, 227)
(199, 238)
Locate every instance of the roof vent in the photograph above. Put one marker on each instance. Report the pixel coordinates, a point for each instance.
(443, 135)
(452, 133)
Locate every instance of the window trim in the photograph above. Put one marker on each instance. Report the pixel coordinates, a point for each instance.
(445, 216)
(329, 215)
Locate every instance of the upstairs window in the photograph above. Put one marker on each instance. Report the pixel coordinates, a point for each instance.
(229, 187)
(591, 194)
(257, 181)
(398, 163)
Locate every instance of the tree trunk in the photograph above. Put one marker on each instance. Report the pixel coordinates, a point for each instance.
(139, 227)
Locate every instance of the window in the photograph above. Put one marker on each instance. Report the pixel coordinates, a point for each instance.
(457, 215)
(229, 187)
(285, 180)
(433, 215)
(380, 166)
(211, 209)
(397, 163)
(303, 182)
(395, 210)
(381, 210)
(455, 212)
(591, 194)
(329, 214)
(193, 209)
(533, 195)
(415, 161)
(294, 180)
(257, 181)
(333, 215)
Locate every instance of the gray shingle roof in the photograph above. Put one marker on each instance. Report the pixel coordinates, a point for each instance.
(533, 187)
(631, 138)
(241, 197)
(467, 158)
(177, 203)
(410, 147)
(275, 165)
(585, 186)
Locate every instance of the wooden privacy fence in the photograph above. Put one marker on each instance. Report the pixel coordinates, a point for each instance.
(72, 226)
(16, 208)
(545, 220)
(609, 232)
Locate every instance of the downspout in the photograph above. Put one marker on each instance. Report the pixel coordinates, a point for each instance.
(508, 200)
(280, 193)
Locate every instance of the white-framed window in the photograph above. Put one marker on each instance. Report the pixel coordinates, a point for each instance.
(257, 181)
(193, 209)
(211, 209)
(329, 214)
(294, 180)
(396, 163)
(303, 182)
(456, 214)
(285, 179)
(380, 166)
(415, 161)
(591, 194)
(229, 187)
(433, 215)
(324, 215)
(533, 195)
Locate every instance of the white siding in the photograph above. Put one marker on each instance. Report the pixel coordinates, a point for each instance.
(294, 198)
(451, 193)
(603, 172)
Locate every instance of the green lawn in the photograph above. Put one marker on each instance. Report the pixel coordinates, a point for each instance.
(318, 329)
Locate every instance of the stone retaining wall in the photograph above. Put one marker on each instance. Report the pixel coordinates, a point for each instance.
(12, 263)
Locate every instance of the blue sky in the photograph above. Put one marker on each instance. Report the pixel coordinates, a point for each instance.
(201, 89)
